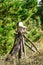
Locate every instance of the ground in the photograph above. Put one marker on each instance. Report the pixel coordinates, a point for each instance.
(31, 58)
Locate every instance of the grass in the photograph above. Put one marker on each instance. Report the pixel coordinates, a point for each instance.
(30, 59)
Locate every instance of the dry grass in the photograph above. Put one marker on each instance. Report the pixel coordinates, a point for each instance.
(30, 59)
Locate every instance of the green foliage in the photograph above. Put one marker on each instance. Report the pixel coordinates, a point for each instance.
(34, 34)
(40, 13)
(13, 11)
(37, 37)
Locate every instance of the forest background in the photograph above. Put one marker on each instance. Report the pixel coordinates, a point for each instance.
(14, 11)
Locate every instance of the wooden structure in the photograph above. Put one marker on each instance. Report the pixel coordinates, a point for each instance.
(20, 42)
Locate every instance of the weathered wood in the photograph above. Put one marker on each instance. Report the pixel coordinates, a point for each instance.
(29, 46)
(31, 43)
